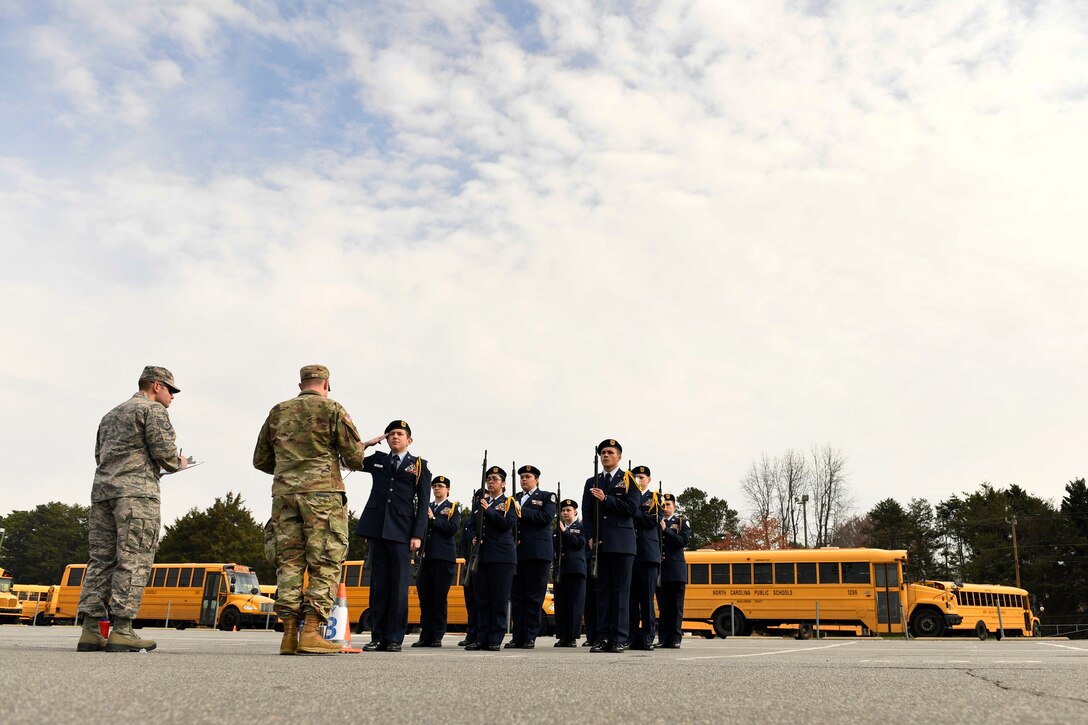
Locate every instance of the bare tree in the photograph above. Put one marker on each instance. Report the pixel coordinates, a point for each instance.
(759, 486)
(792, 479)
(831, 499)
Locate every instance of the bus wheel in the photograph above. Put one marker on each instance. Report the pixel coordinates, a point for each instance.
(728, 621)
(804, 631)
(229, 619)
(980, 631)
(926, 623)
(364, 623)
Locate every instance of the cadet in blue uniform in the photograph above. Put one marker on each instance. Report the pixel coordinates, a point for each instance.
(535, 553)
(437, 565)
(676, 532)
(498, 558)
(570, 582)
(609, 503)
(589, 608)
(393, 522)
(647, 563)
(468, 531)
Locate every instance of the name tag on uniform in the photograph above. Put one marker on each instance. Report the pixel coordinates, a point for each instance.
(538, 503)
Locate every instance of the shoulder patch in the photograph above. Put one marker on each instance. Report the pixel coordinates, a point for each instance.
(551, 497)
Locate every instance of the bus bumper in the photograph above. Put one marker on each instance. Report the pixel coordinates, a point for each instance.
(10, 615)
(951, 620)
(257, 620)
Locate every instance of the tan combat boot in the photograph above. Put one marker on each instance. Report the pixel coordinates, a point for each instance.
(312, 643)
(91, 639)
(123, 639)
(289, 643)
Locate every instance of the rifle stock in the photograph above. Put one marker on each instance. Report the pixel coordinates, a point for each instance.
(558, 532)
(660, 533)
(478, 515)
(594, 560)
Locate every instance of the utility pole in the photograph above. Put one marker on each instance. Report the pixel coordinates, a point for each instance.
(803, 500)
(1015, 550)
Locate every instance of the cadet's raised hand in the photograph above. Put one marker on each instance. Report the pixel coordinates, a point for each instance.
(375, 441)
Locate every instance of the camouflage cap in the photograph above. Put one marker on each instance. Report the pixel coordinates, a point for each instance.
(309, 372)
(156, 374)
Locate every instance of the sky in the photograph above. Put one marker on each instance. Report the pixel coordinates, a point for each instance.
(709, 230)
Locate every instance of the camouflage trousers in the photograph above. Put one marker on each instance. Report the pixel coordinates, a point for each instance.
(311, 537)
(124, 534)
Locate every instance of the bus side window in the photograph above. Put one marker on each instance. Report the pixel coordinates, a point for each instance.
(172, 576)
(351, 577)
(742, 573)
(160, 576)
(719, 573)
(364, 580)
(829, 572)
(761, 573)
(699, 574)
(806, 572)
(198, 577)
(185, 576)
(75, 576)
(855, 572)
(783, 574)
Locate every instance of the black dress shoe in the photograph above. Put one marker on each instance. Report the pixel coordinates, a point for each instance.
(568, 643)
(391, 647)
(372, 647)
(601, 647)
(587, 643)
(616, 648)
(493, 648)
(635, 645)
(512, 644)
(673, 645)
(421, 643)
(528, 645)
(559, 643)
(436, 643)
(465, 642)
(473, 646)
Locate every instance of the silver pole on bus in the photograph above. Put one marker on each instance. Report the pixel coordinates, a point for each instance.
(1000, 624)
(167, 624)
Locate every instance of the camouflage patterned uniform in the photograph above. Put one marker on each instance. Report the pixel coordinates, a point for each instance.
(135, 445)
(303, 442)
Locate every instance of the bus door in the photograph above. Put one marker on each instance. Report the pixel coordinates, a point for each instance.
(886, 580)
(209, 603)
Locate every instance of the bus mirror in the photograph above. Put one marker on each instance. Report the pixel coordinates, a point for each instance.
(254, 590)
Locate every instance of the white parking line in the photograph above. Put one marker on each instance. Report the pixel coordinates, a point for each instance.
(1063, 646)
(764, 654)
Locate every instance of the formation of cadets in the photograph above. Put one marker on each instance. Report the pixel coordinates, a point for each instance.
(607, 565)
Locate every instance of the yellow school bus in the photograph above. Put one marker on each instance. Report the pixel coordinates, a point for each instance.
(186, 595)
(991, 609)
(38, 602)
(738, 591)
(10, 611)
(356, 580)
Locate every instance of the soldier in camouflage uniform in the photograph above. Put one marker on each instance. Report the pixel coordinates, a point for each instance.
(135, 447)
(303, 443)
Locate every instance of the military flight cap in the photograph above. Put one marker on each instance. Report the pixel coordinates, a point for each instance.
(568, 502)
(496, 470)
(529, 469)
(669, 497)
(399, 425)
(609, 443)
(156, 374)
(310, 372)
(440, 480)
(643, 470)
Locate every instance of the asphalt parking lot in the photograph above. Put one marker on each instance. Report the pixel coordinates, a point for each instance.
(211, 676)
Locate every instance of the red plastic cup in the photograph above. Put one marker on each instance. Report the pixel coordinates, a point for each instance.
(104, 627)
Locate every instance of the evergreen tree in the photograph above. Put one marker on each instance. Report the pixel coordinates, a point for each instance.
(39, 543)
(711, 520)
(224, 532)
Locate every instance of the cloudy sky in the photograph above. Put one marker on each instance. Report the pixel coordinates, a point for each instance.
(706, 229)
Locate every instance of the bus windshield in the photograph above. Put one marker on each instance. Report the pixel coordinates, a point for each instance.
(5, 584)
(243, 583)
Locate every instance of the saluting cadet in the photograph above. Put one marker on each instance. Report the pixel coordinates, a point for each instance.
(676, 533)
(439, 560)
(393, 522)
(498, 558)
(468, 532)
(609, 504)
(534, 557)
(647, 563)
(570, 587)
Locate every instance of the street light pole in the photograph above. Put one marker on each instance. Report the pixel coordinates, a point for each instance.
(1015, 550)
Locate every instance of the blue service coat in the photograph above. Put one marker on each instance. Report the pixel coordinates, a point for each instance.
(441, 530)
(397, 507)
(617, 511)
(677, 533)
(647, 529)
(500, 524)
(574, 549)
(535, 526)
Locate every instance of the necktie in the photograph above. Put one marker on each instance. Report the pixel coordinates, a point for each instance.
(396, 462)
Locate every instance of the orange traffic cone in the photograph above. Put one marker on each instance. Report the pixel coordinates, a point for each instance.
(235, 628)
(338, 628)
